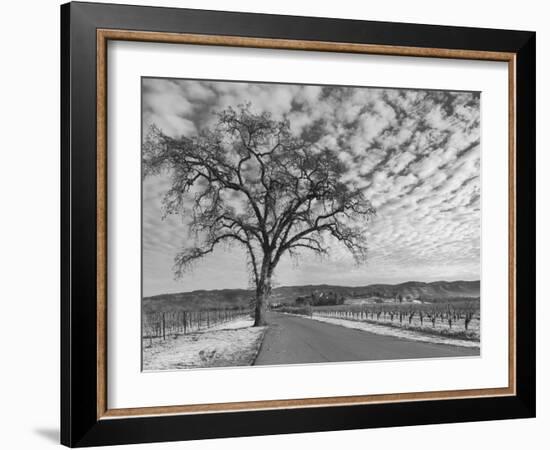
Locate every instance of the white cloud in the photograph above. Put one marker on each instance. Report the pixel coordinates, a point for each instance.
(416, 154)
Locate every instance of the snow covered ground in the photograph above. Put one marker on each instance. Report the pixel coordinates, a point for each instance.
(397, 332)
(233, 343)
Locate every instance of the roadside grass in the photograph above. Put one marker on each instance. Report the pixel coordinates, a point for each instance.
(400, 331)
(231, 344)
(419, 319)
(468, 335)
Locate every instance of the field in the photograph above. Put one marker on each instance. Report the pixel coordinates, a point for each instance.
(163, 324)
(183, 339)
(214, 328)
(231, 343)
(458, 320)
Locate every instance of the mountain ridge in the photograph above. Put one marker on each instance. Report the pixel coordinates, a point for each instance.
(226, 298)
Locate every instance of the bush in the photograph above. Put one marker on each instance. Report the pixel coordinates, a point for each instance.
(301, 310)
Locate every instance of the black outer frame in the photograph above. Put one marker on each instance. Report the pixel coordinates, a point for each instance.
(79, 424)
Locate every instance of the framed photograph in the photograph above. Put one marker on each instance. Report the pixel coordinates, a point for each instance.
(276, 224)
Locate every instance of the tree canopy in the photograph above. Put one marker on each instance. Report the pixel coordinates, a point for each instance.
(249, 181)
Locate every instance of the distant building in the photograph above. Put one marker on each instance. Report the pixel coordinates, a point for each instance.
(320, 299)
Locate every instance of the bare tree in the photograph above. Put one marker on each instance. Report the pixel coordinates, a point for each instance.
(248, 181)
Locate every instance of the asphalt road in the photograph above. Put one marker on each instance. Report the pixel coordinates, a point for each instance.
(297, 340)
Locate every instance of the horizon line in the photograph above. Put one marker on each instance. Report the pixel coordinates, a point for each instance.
(307, 285)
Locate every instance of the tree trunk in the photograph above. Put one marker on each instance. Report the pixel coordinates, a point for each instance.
(262, 296)
(263, 289)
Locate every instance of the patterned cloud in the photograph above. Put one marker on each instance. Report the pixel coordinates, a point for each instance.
(416, 154)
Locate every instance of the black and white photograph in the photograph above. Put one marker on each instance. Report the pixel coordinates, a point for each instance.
(275, 225)
(297, 224)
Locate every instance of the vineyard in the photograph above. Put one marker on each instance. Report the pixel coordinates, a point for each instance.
(162, 324)
(458, 319)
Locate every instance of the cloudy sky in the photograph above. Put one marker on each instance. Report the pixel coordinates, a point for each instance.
(416, 154)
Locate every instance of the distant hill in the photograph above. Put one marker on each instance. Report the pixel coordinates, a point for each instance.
(203, 299)
(435, 290)
(228, 298)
